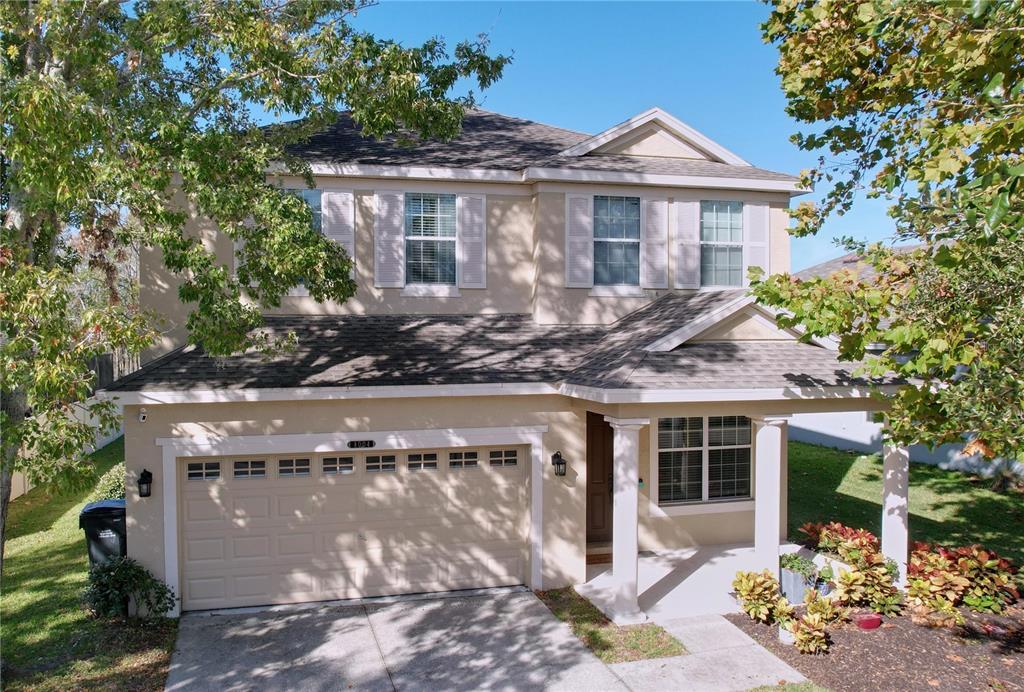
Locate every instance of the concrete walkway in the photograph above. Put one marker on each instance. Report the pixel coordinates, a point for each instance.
(721, 659)
(496, 639)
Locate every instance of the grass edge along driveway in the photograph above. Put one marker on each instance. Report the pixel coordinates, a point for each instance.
(49, 641)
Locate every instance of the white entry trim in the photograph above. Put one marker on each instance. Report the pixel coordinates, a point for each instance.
(173, 448)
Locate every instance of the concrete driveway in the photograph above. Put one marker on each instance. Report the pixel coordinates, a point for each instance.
(504, 640)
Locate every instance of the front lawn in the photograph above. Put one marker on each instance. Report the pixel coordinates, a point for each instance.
(945, 506)
(611, 643)
(49, 641)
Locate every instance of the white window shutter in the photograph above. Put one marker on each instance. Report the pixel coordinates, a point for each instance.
(687, 274)
(389, 240)
(339, 219)
(472, 241)
(755, 237)
(654, 244)
(579, 241)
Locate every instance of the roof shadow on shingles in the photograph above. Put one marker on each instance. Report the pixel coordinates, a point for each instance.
(383, 350)
(487, 140)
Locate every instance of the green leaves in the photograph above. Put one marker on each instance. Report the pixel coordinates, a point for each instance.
(127, 128)
(920, 104)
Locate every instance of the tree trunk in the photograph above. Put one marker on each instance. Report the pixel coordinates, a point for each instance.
(15, 406)
(5, 499)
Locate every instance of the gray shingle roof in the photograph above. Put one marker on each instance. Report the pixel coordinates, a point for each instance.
(656, 165)
(375, 350)
(488, 140)
(501, 142)
(851, 260)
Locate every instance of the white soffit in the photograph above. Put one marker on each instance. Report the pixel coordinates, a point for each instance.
(667, 121)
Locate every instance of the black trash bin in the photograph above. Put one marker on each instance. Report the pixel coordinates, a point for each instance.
(105, 534)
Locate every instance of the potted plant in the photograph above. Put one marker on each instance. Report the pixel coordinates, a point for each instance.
(797, 574)
(823, 584)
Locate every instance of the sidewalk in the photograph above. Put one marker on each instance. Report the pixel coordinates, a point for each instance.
(721, 658)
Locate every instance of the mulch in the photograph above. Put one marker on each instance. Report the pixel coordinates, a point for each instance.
(986, 653)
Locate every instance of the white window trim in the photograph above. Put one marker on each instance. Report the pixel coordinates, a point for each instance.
(431, 290)
(703, 506)
(617, 291)
(741, 245)
(627, 289)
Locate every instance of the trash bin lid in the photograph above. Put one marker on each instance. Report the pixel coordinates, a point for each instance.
(103, 508)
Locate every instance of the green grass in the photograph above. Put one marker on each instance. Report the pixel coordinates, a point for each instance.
(49, 641)
(945, 506)
(611, 643)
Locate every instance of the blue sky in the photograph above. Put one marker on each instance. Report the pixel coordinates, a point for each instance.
(589, 65)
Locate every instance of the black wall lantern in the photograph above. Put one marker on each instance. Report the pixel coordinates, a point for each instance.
(145, 483)
(559, 463)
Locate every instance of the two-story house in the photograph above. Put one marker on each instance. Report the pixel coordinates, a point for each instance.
(551, 353)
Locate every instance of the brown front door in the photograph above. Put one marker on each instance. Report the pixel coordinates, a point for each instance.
(599, 479)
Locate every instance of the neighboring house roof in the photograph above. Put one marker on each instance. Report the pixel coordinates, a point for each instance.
(370, 350)
(851, 260)
(493, 141)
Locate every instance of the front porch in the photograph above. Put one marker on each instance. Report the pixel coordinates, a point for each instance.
(680, 583)
(672, 583)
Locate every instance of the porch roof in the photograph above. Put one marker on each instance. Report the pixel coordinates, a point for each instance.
(390, 350)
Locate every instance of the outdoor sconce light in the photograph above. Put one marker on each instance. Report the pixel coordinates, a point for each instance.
(559, 463)
(145, 483)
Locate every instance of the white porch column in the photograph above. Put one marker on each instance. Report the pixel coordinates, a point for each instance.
(625, 609)
(770, 435)
(895, 492)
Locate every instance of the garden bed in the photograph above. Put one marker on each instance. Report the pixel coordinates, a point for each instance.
(987, 652)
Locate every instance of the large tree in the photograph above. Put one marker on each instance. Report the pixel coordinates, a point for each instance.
(920, 103)
(107, 108)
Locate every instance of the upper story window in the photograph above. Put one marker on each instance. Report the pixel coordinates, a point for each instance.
(721, 243)
(430, 233)
(313, 198)
(616, 241)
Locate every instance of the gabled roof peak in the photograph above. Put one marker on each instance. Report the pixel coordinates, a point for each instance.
(666, 122)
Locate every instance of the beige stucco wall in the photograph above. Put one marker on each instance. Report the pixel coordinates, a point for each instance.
(742, 327)
(556, 304)
(525, 257)
(651, 140)
(564, 498)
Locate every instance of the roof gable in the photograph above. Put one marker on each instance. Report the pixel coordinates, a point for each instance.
(655, 131)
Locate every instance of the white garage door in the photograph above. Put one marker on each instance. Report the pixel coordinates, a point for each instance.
(286, 529)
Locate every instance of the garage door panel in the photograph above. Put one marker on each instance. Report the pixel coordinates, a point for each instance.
(203, 549)
(286, 540)
(295, 544)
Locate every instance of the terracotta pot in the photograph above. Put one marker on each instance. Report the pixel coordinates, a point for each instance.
(867, 621)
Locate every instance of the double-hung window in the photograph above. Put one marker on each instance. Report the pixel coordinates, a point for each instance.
(616, 241)
(703, 459)
(721, 243)
(430, 233)
(312, 198)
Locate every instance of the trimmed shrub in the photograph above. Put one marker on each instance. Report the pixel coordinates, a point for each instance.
(810, 634)
(113, 583)
(760, 598)
(110, 485)
(942, 578)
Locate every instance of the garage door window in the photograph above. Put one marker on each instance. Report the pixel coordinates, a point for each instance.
(423, 462)
(333, 466)
(203, 471)
(378, 464)
(462, 460)
(250, 469)
(503, 457)
(292, 467)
